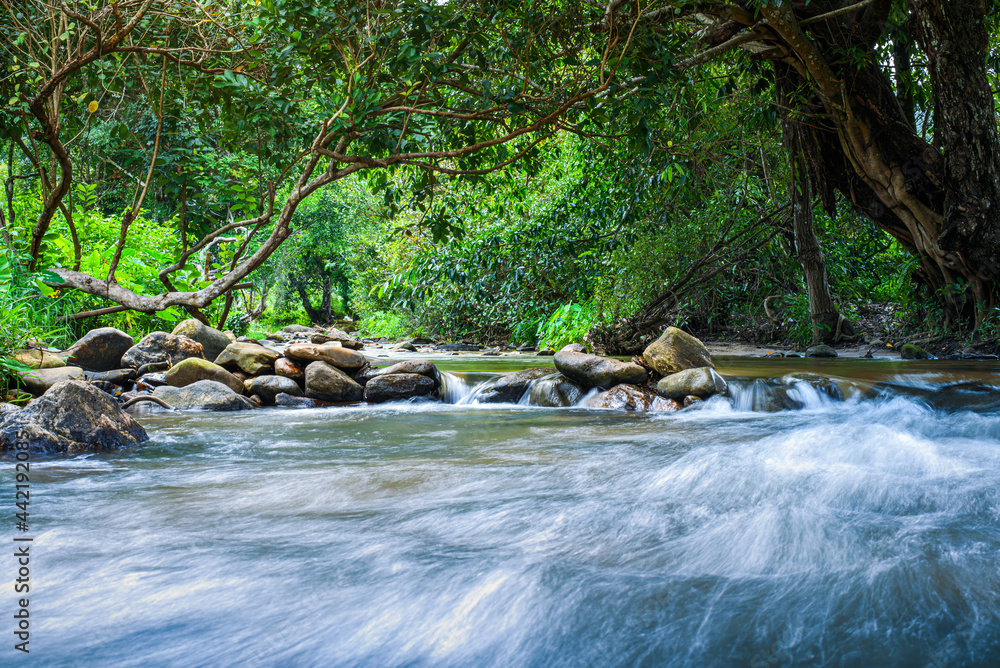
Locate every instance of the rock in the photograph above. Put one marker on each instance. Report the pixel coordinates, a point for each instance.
(339, 336)
(100, 350)
(555, 392)
(405, 345)
(39, 359)
(338, 356)
(676, 350)
(594, 371)
(509, 388)
(703, 382)
(627, 397)
(160, 347)
(269, 387)
(212, 340)
(421, 367)
(327, 382)
(120, 377)
(691, 400)
(72, 417)
(204, 395)
(299, 402)
(228, 333)
(38, 381)
(457, 347)
(152, 380)
(290, 369)
(365, 374)
(105, 386)
(6, 409)
(491, 352)
(545, 352)
(192, 370)
(573, 348)
(297, 329)
(398, 387)
(251, 358)
(910, 351)
(822, 350)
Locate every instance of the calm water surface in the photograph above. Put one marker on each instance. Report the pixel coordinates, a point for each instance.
(845, 533)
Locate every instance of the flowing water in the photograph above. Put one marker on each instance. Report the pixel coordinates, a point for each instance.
(856, 532)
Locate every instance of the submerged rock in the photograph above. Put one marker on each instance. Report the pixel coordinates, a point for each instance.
(335, 355)
(251, 358)
(38, 381)
(100, 349)
(555, 392)
(269, 387)
(161, 347)
(327, 382)
(703, 382)
(212, 340)
(294, 401)
(192, 370)
(120, 377)
(593, 371)
(205, 395)
(631, 398)
(398, 387)
(72, 417)
(509, 388)
(676, 350)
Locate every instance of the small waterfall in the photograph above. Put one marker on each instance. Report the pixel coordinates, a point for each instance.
(461, 388)
(781, 394)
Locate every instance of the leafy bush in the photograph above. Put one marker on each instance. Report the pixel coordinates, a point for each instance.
(567, 324)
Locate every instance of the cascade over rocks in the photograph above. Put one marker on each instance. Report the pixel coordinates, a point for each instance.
(212, 340)
(160, 347)
(703, 382)
(203, 395)
(192, 370)
(676, 350)
(251, 358)
(556, 392)
(269, 387)
(38, 381)
(328, 383)
(593, 371)
(73, 417)
(509, 388)
(398, 387)
(100, 350)
(337, 355)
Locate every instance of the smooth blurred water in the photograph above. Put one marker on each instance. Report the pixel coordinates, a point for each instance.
(864, 532)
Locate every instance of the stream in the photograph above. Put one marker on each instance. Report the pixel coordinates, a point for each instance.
(860, 528)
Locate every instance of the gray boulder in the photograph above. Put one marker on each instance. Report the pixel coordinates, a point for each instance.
(269, 387)
(676, 350)
(703, 382)
(204, 395)
(594, 371)
(398, 387)
(573, 348)
(38, 381)
(328, 383)
(160, 347)
(211, 339)
(405, 345)
(192, 370)
(293, 401)
(296, 329)
(555, 392)
(457, 347)
(100, 350)
(822, 350)
(73, 417)
(251, 358)
(509, 388)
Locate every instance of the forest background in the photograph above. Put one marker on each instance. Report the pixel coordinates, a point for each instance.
(510, 173)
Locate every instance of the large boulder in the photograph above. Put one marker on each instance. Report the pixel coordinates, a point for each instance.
(38, 381)
(399, 387)
(204, 395)
(421, 367)
(336, 355)
(41, 359)
(334, 335)
(822, 350)
(676, 350)
(297, 329)
(192, 370)
(594, 371)
(160, 347)
(269, 387)
(509, 388)
(702, 382)
(211, 339)
(290, 369)
(631, 398)
(910, 351)
(100, 349)
(251, 358)
(555, 392)
(72, 417)
(120, 377)
(328, 383)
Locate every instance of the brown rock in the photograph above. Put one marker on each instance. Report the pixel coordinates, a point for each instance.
(675, 351)
(632, 398)
(328, 383)
(100, 349)
(338, 356)
(192, 370)
(160, 347)
(251, 358)
(290, 369)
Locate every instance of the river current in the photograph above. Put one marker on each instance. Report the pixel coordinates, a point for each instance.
(856, 532)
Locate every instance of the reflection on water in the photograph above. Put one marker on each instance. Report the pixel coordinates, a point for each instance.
(846, 533)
